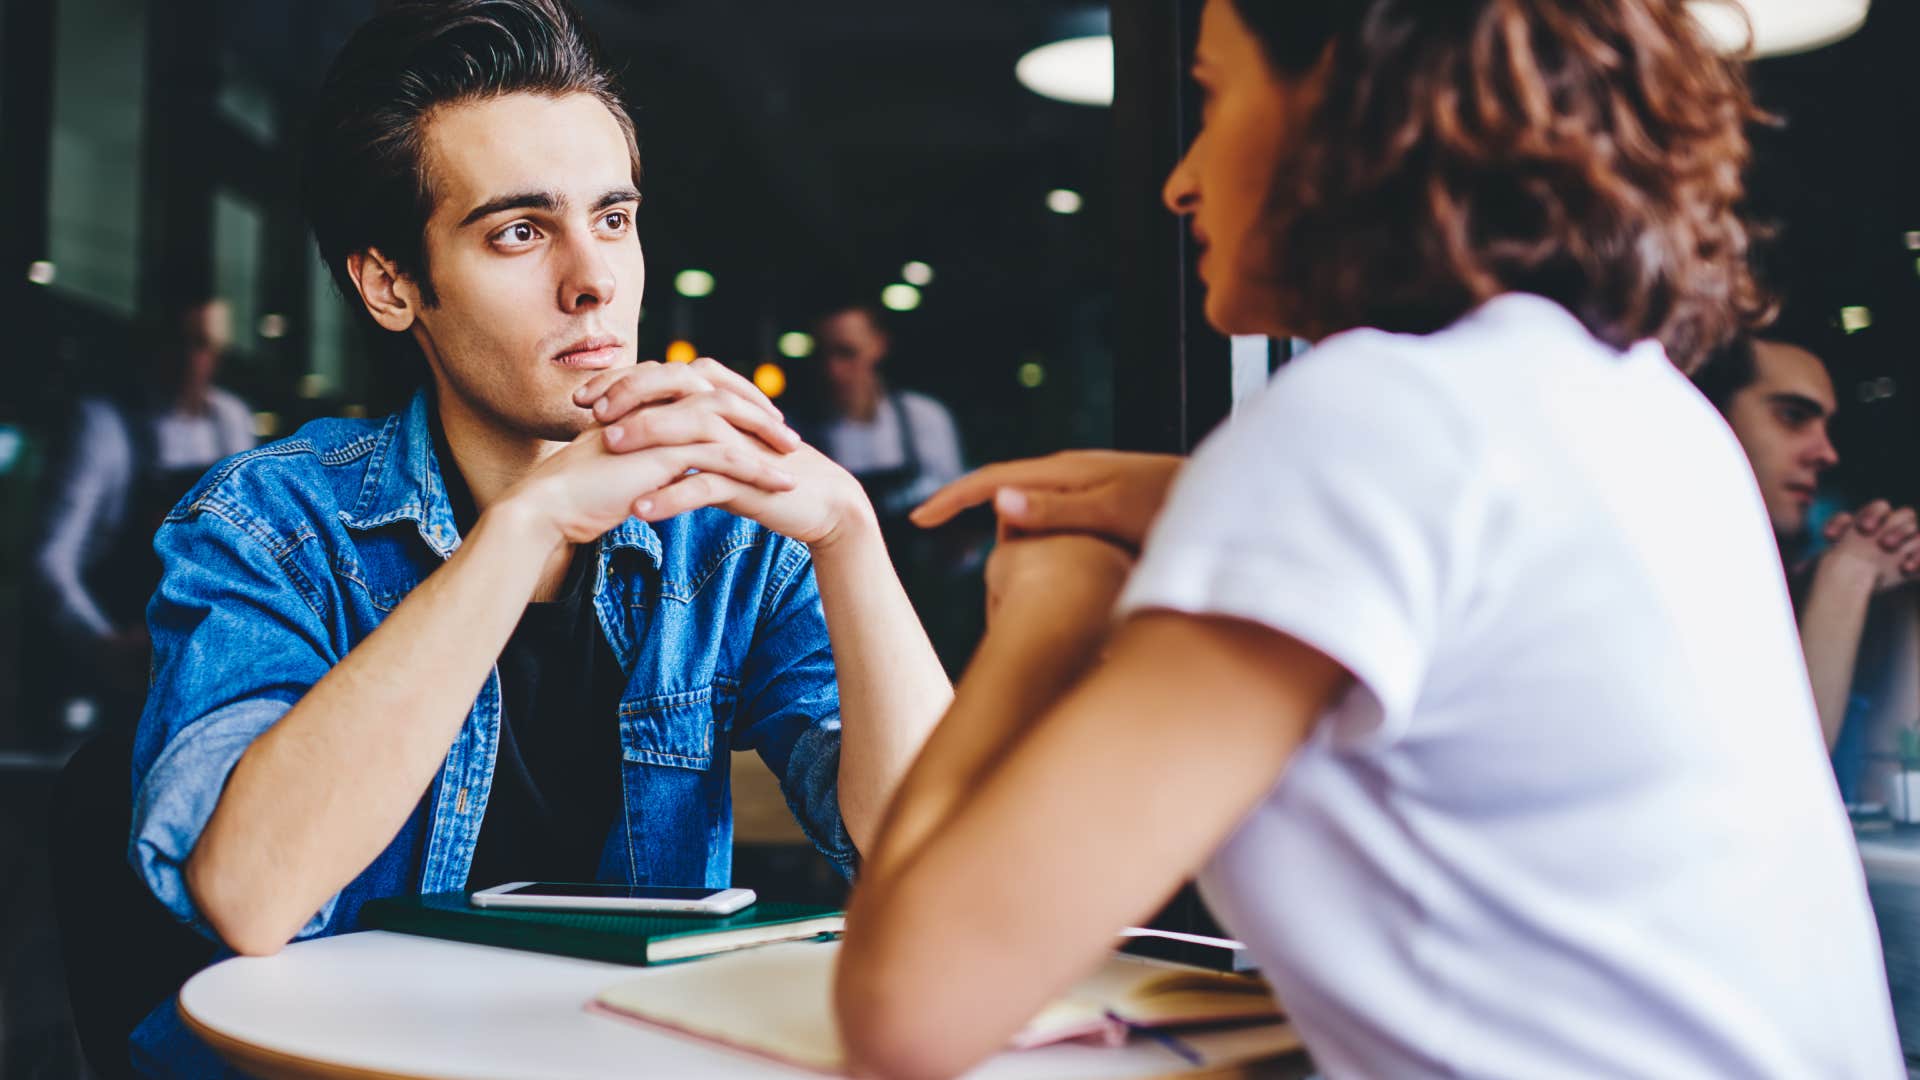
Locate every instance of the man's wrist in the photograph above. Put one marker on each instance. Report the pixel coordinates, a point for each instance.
(1841, 569)
(520, 516)
(856, 525)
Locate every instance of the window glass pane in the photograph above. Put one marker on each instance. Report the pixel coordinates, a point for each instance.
(328, 334)
(99, 74)
(237, 229)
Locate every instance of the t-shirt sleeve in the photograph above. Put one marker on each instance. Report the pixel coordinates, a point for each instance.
(1338, 508)
(237, 641)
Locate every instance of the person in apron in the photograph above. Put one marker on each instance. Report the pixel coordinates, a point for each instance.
(131, 456)
(902, 446)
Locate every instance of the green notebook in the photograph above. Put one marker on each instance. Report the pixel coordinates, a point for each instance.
(598, 935)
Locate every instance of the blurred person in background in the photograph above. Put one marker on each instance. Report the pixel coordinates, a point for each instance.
(131, 455)
(1458, 662)
(1852, 580)
(902, 446)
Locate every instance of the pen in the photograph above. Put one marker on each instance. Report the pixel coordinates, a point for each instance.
(1186, 1053)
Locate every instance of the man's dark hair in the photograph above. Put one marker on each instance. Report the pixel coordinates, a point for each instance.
(363, 175)
(875, 316)
(1590, 151)
(1731, 369)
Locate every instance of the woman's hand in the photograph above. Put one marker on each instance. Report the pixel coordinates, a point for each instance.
(1056, 591)
(1111, 494)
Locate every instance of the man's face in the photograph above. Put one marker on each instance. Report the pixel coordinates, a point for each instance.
(851, 348)
(533, 254)
(206, 332)
(1781, 420)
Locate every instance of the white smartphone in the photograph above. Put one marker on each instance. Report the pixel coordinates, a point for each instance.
(570, 896)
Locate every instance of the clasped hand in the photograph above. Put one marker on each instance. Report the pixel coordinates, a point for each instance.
(1880, 538)
(670, 438)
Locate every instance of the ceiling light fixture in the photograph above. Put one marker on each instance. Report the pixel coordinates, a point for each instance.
(900, 297)
(1078, 71)
(1778, 27)
(693, 284)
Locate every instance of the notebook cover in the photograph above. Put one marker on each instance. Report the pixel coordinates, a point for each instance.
(616, 937)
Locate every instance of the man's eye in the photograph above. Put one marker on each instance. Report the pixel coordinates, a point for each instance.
(518, 233)
(617, 221)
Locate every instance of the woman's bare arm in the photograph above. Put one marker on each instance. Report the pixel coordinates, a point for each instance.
(1088, 822)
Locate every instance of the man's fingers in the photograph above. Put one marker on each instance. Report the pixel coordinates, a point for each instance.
(647, 386)
(690, 493)
(738, 460)
(650, 373)
(697, 418)
(1899, 526)
(723, 376)
(1872, 516)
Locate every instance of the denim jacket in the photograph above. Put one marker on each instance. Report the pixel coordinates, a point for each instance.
(285, 557)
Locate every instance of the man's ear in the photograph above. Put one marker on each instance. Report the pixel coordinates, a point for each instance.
(390, 296)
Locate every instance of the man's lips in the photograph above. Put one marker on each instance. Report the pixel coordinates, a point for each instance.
(593, 353)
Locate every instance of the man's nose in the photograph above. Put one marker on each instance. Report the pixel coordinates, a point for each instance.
(1821, 454)
(588, 279)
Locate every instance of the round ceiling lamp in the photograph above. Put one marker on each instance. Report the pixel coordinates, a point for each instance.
(1078, 70)
(1778, 27)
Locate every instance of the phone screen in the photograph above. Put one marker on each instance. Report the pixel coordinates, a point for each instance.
(614, 892)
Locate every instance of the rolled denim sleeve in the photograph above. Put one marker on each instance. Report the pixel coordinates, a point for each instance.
(238, 639)
(790, 704)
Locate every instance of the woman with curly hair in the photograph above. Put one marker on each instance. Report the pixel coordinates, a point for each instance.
(1458, 665)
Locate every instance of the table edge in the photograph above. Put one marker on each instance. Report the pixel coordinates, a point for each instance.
(257, 1060)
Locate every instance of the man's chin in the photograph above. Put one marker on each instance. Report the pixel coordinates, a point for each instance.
(564, 425)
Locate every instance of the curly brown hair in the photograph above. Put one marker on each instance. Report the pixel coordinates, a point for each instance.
(1589, 151)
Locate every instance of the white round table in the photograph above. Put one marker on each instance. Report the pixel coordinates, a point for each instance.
(376, 1004)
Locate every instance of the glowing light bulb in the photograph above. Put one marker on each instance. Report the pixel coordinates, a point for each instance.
(900, 297)
(693, 284)
(771, 379)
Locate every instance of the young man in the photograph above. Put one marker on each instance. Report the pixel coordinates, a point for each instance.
(1779, 400)
(511, 632)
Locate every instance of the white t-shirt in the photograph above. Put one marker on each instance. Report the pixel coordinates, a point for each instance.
(870, 446)
(1576, 817)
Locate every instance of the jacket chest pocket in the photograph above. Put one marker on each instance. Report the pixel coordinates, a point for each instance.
(679, 730)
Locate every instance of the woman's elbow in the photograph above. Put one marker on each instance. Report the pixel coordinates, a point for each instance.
(892, 1030)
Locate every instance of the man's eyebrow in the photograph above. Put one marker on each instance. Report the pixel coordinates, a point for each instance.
(526, 200)
(1788, 397)
(615, 198)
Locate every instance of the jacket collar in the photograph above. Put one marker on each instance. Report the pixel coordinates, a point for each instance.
(403, 482)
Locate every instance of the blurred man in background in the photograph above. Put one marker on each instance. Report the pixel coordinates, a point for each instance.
(1856, 611)
(901, 446)
(132, 454)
